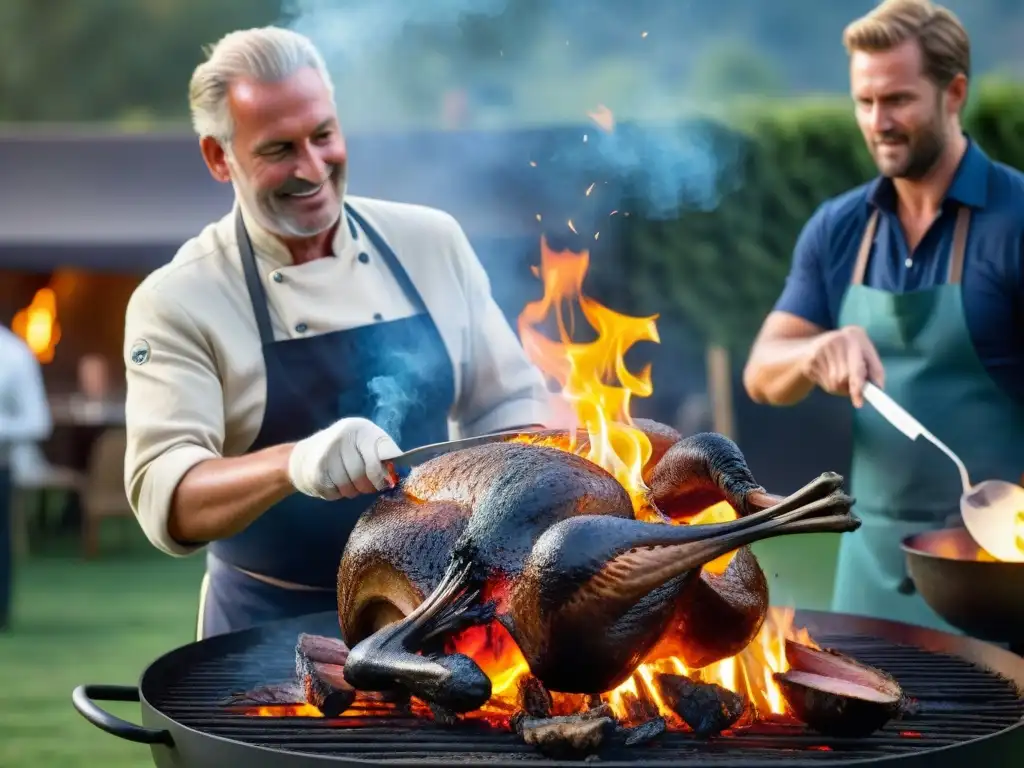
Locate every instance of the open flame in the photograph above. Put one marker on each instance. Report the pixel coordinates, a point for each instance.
(593, 376)
(37, 325)
(596, 390)
(599, 388)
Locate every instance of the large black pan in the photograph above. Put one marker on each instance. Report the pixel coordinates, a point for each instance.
(982, 597)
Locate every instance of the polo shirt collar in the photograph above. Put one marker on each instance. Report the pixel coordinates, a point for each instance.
(969, 186)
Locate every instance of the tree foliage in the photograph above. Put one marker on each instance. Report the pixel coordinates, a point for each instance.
(721, 271)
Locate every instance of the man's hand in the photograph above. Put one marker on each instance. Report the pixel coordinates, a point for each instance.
(841, 362)
(342, 461)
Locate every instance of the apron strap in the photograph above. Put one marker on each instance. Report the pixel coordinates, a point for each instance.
(956, 255)
(257, 296)
(866, 242)
(386, 253)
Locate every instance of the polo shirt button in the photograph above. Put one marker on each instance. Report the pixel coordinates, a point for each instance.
(364, 257)
(301, 328)
(909, 263)
(277, 277)
(378, 316)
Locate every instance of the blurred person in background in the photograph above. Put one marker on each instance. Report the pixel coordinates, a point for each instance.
(276, 363)
(914, 282)
(24, 418)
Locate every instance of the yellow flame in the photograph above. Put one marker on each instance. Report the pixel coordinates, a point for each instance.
(593, 376)
(37, 325)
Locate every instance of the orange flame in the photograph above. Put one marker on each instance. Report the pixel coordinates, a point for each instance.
(583, 370)
(37, 325)
(596, 392)
(598, 387)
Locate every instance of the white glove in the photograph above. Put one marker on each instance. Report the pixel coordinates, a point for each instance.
(342, 461)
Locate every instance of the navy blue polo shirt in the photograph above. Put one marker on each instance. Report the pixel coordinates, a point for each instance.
(993, 274)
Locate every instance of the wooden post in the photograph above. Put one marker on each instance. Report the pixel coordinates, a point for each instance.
(720, 391)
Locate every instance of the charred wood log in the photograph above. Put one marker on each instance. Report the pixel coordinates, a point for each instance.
(324, 650)
(643, 733)
(534, 698)
(319, 667)
(707, 708)
(566, 736)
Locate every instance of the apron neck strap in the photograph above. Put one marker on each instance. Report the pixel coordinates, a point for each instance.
(956, 255)
(865, 249)
(257, 296)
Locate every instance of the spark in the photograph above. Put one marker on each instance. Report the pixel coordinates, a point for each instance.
(538, 217)
(590, 189)
(643, 34)
(533, 163)
(572, 227)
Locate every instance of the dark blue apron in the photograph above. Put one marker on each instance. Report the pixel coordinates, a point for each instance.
(396, 373)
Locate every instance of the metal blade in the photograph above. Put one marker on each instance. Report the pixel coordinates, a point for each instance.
(426, 452)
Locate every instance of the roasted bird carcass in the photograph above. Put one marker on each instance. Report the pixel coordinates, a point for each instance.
(546, 543)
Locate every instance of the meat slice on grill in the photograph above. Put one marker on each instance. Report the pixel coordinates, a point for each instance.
(546, 543)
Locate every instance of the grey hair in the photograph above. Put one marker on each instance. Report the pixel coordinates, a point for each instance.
(267, 54)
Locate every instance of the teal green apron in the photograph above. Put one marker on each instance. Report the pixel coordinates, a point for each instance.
(903, 487)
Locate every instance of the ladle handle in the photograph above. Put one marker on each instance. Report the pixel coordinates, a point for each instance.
(911, 427)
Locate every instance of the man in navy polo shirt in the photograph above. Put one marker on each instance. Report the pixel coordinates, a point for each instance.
(914, 282)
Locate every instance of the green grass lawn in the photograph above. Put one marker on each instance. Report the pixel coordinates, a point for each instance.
(77, 622)
(105, 621)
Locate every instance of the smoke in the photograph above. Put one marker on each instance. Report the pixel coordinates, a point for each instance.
(350, 30)
(519, 64)
(495, 111)
(393, 399)
(401, 396)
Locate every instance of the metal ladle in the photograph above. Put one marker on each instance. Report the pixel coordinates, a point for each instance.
(989, 509)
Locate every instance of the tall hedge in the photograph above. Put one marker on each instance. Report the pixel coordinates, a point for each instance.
(720, 271)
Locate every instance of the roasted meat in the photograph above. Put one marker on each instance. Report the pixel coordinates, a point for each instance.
(547, 543)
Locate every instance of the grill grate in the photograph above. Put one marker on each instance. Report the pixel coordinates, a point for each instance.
(958, 702)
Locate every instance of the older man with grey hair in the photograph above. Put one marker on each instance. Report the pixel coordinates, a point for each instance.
(278, 361)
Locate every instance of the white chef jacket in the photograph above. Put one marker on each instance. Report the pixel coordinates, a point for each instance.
(194, 365)
(24, 410)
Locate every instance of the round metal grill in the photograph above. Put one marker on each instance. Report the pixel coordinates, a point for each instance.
(959, 702)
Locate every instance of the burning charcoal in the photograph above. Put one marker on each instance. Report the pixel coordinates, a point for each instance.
(603, 710)
(638, 710)
(323, 679)
(593, 701)
(836, 695)
(534, 698)
(325, 650)
(565, 737)
(643, 733)
(399, 699)
(707, 708)
(442, 715)
(286, 694)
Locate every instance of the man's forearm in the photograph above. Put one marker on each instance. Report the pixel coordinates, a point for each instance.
(774, 375)
(221, 497)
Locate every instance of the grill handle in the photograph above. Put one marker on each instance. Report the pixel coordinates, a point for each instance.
(83, 698)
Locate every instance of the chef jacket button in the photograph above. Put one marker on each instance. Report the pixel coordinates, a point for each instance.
(364, 257)
(378, 316)
(277, 277)
(301, 328)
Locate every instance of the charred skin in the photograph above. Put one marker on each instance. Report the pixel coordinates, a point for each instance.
(586, 591)
(717, 615)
